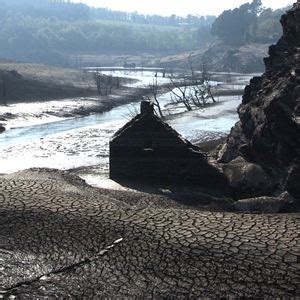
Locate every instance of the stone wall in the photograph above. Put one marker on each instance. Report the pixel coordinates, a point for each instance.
(148, 149)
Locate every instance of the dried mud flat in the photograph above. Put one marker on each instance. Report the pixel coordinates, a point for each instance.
(61, 237)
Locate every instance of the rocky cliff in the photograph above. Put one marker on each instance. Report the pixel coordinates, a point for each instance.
(268, 133)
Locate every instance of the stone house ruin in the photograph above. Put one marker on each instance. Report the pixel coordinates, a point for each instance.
(147, 149)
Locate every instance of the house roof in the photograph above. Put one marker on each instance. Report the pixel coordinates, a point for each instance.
(153, 118)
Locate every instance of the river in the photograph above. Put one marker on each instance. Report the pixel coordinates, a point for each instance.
(81, 142)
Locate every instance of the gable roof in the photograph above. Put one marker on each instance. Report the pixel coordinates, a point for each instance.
(153, 118)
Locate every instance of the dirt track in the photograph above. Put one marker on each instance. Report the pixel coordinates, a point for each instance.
(60, 237)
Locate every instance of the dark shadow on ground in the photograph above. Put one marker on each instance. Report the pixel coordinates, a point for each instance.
(187, 195)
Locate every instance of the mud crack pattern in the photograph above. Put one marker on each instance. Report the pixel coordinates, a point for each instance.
(60, 237)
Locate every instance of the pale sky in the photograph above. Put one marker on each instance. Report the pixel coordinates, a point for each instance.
(179, 7)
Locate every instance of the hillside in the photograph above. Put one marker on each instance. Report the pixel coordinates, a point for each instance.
(34, 82)
(241, 37)
(53, 32)
(220, 58)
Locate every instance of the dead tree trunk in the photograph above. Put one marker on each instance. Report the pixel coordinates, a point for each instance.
(154, 88)
(3, 93)
(97, 78)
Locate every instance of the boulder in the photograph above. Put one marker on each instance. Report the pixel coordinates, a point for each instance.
(247, 179)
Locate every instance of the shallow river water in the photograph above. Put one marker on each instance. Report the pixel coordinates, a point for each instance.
(80, 142)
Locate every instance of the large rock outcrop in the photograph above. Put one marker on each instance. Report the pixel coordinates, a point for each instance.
(268, 133)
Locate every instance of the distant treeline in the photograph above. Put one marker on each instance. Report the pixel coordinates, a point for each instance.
(68, 11)
(49, 31)
(249, 23)
(173, 20)
(52, 30)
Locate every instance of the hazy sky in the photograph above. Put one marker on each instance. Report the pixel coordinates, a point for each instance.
(178, 7)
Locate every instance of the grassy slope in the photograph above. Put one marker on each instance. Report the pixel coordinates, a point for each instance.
(42, 82)
(48, 73)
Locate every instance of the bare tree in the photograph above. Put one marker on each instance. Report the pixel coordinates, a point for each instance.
(195, 89)
(106, 83)
(97, 78)
(3, 92)
(154, 89)
(180, 93)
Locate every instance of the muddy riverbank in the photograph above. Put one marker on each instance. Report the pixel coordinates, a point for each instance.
(51, 134)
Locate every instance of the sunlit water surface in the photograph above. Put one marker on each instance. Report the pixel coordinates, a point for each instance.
(79, 142)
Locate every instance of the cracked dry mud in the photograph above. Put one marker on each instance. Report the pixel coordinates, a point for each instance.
(60, 237)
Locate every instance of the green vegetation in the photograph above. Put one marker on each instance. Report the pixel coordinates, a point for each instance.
(248, 23)
(268, 28)
(54, 31)
(51, 31)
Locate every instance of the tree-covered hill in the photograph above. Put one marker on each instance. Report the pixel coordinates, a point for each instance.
(249, 23)
(56, 31)
(51, 31)
(242, 38)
